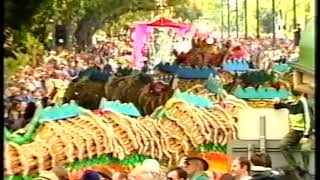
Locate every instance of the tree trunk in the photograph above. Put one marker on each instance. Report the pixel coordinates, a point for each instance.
(85, 30)
(245, 19)
(237, 19)
(258, 18)
(222, 23)
(69, 28)
(273, 23)
(228, 10)
(294, 15)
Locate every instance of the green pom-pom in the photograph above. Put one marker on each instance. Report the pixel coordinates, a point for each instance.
(68, 169)
(202, 149)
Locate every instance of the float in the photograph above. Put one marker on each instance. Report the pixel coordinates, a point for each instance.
(117, 136)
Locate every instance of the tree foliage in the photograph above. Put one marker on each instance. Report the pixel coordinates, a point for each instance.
(106, 11)
(84, 17)
(19, 13)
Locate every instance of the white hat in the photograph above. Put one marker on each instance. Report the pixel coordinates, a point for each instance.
(209, 41)
(151, 165)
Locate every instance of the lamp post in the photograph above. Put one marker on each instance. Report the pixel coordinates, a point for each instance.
(222, 22)
(237, 19)
(51, 34)
(273, 22)
(294, 15)
(257, 15)
(228, 5)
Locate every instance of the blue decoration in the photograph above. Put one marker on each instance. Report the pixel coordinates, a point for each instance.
(61, 112)
(184, 72)
(260, 93)
(214, 84)
(236, 66)
(282, 68)
(195, 100)
(168, 68)
(123, 108)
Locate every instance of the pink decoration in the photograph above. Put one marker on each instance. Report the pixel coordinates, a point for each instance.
(141, 34)
(139, 37)
(240, 54)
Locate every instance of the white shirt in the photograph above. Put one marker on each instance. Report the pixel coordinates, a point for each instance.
(31, 86)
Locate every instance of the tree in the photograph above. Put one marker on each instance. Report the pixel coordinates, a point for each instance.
(125, 21)
(19, 13)
(266, 20)
(96, 16)
(188, 13)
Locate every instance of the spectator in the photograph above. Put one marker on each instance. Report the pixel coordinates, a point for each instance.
(261, 166)
(60, 172)
(177, 174)
(150, 170)
(26, 95)
(196, 167)
(147, 176)
(226, 176)
(37, 96)
(120, 176)
(297, 34)
(241, 168)
(107, 68)
(47, 175)
(94, 175)
(45, 102)
(15, 116)
(260, 160)
(29, 112)
(151, 165)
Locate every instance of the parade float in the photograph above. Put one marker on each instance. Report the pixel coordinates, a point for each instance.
(117, 136)
(304, 70)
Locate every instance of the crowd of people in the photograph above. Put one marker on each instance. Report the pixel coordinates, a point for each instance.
(257, 167)
(113, 47)
(38, 84)
(261, 53)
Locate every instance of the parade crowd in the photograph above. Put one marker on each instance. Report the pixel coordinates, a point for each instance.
(258, 166)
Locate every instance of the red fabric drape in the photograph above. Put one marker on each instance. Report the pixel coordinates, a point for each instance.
(164, 22)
